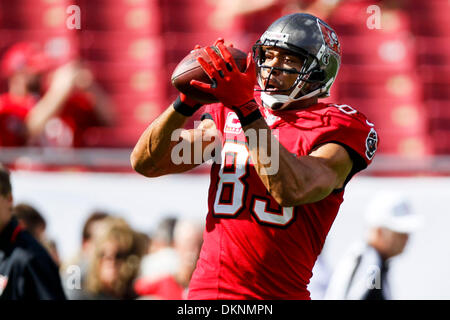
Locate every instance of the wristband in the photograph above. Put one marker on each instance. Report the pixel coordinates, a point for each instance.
(247, 113)
(185, 109)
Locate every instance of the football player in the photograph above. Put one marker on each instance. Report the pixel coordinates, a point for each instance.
(265, 228)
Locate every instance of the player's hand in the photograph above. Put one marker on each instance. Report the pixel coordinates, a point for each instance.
(231, 86)
(185, 105)
(221, 40)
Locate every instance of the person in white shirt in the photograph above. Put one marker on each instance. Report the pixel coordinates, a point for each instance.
(363, 272)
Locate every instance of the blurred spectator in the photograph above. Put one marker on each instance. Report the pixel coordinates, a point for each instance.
(163, 237)
(77, 103)
(146, 242)
(52, 249)
(49, 108)
(363, 273)
(115, 264)
(27, 272)
(31, 220)
(188, 238)
(92, 228)
(23, 65)
(162, 259)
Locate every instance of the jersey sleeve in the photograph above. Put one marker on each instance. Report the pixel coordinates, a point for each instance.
(215, 112)
(355, 133)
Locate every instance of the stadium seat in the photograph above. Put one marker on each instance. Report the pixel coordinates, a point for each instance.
(393, 50)
(373, 83)
(123, 18)
(436, 81)
(430, 18)
(185, 16)
(433, 50)
(399, 117)
(439, 124)
(117, 137)
(42, 15)
(122, 47)
(128, 103)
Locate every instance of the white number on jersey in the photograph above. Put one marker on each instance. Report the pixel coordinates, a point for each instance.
(232, 191)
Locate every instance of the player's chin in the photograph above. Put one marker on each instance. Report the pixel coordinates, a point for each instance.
(274, 91)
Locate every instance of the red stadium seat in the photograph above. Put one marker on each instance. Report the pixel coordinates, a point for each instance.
(439, 145)
(117, 137)
(373, 83)
(439, 125)
(430, 18)
(42, 15)
(122, 47)
(122, 72)
(146, 18)
(405, 145)
(16, 35)
(182, 16)
(399, 117)
(436, 81)
(389, 50)
(433, 50)
(128, 103)
(402, 127)
(349, 18)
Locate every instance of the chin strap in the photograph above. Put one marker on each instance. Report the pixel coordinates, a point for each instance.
(271, 101)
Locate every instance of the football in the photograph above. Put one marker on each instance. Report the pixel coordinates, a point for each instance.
(189, 69)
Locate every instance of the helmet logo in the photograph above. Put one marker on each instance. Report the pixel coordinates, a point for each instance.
(330, 38)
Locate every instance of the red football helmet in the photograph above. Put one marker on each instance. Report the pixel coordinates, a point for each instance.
(25, 56)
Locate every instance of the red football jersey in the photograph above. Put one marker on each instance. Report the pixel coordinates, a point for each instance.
(13, 111)
(253, 248)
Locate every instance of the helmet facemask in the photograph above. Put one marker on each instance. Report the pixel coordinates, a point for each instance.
(309, 78)
(313, 39)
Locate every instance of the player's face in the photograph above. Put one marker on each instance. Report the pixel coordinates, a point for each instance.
(280, 79)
